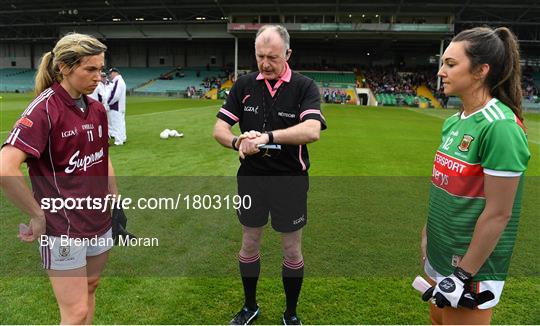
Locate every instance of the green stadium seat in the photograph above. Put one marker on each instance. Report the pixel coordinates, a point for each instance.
(16, 79)
(331, 79)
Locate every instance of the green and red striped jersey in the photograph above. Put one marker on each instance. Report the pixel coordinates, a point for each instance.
(490, 141)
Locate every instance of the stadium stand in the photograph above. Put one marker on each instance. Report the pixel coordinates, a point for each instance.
(423, 92)
(536, 78)
(401, 99)
(529, 84)
(136, 77)
(410, 87)
(530, 88)
(335, 86)
(179, 80)
(329, 79)
(390, 86)
(16, 80)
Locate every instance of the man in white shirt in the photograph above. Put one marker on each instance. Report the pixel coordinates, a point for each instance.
(117, 107)
(100, 94)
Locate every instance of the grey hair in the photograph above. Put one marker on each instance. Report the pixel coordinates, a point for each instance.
(282, 31)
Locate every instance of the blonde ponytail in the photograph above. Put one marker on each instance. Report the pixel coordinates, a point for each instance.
(45, 75)
(69, 50)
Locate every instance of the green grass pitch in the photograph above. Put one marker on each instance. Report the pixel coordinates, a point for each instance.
(367, 203)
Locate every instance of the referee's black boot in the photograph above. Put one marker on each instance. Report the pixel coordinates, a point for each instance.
(291, 320)
(245, 316)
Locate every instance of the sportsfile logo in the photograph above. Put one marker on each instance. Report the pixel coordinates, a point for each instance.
(181, 201)
(85, 162)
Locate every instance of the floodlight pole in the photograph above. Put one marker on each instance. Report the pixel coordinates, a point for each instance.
(440, 63)
(235, 58)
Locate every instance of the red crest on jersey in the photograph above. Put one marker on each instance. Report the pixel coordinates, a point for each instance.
(25, 122)
(465, 143)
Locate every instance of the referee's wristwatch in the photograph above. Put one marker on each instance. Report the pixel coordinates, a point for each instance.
(234, 140)
(270, 137)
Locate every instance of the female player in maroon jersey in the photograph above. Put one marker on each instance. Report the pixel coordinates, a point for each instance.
(62, 136)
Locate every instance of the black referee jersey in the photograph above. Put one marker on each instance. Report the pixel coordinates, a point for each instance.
(262, 105)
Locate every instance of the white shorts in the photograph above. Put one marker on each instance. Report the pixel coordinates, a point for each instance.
(63, 253)
(494, 286)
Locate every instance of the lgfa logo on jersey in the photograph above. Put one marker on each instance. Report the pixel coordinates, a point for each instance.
(465, 143)
(255, 110)
(69, 133)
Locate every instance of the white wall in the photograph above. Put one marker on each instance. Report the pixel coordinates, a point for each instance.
(22, 54)
(18, 53)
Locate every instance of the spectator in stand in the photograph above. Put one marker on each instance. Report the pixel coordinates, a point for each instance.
(403, 81)
(326, 95)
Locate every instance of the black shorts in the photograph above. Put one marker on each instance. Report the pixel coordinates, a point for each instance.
(284, 198)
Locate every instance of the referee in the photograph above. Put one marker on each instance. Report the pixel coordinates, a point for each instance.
(279, 113)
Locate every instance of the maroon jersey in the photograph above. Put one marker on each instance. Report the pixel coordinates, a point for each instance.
(67, 158)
